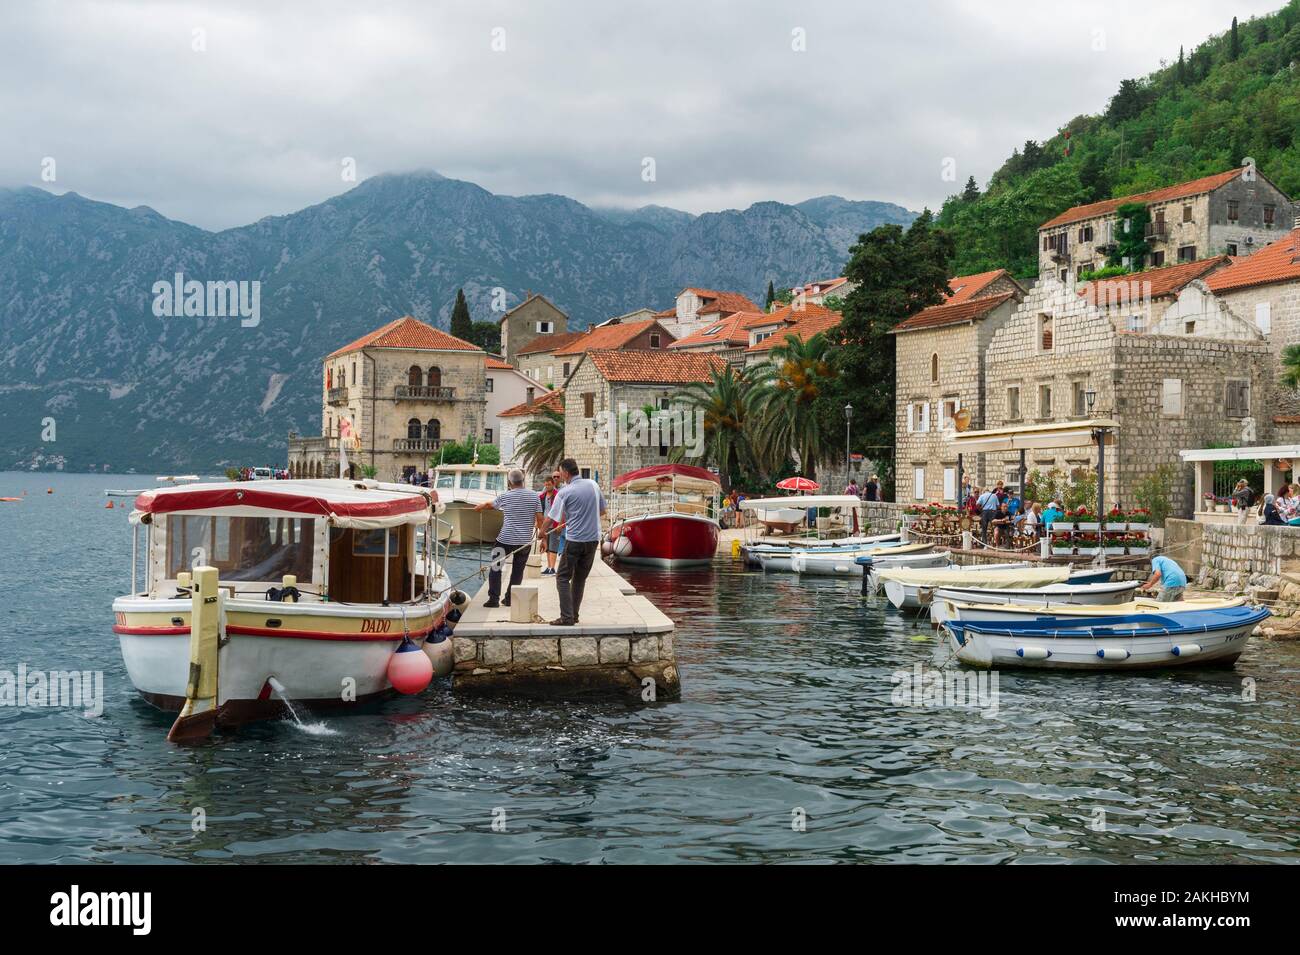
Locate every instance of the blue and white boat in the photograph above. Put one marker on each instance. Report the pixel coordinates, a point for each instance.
(853, 563)
(1193, 637)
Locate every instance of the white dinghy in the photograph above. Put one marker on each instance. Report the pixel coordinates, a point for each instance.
(911, 589)
(854, 563)
(1052, 595)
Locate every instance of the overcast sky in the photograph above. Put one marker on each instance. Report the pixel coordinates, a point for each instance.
(254, 113)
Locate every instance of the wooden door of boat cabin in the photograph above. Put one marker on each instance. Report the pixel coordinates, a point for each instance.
(356, 573)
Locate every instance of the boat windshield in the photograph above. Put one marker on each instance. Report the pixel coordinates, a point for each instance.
(242, 548)
(446, 480)
(496, 480)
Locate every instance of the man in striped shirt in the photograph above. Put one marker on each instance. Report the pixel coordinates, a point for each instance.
(522, 510)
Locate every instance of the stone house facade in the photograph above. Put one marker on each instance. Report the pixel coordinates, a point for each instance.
(696, 307)
(550, 361)
(1235, 212)
(1060, 357)
(402, 390)
(939, 371)
(513, 420)
(506, 387)
(536, 315)
(607, 385)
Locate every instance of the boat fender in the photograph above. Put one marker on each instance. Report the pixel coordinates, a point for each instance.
(1033, 653)
(409, 669)
(453, 615)
(622, 547)
(458, 599)
(1113, 653)
(606, 547)
(1186, 649)
(283, 594)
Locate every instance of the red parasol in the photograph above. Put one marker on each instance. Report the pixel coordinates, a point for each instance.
(801, 484)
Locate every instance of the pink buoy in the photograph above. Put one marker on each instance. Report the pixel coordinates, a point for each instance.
(409, 670)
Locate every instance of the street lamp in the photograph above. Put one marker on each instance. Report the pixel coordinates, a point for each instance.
(848, 419)
(1090, 398)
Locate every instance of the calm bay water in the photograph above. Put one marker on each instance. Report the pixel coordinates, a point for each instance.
(786, 706)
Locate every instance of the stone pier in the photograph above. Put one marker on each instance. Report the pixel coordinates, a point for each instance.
(623, 644)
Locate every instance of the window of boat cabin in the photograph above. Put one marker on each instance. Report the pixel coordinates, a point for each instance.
(241, 548)
(446, 480)
(495, 481)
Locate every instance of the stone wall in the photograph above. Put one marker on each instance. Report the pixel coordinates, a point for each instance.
(1234, 557)
(1279, 305)
(519, 326)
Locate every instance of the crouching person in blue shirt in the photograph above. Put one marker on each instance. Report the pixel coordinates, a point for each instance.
(1168, 576)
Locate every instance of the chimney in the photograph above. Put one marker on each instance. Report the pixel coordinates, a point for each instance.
(531, 391)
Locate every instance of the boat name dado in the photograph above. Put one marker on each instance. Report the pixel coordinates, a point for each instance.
(373, 625)
(83, 689)
(195, 299)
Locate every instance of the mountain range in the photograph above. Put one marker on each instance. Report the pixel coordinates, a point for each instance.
(80, 342)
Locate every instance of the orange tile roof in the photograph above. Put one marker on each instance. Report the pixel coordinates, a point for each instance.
(496, 363)
(804, 322)
(1277, 262)
(824, 286)
(1182, 190)
(759, 319)
(936, 316)
(654, 365)
(724, 303)
(667, 313)
(611, 336)
(545, 343)
(550, 401)
(407, 332)
(1154, 283)
(966, 287)
(725, 331)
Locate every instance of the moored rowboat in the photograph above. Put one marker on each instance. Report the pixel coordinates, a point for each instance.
(1127, 642)
(1051, 595)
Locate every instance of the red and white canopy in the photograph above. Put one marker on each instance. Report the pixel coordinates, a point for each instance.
(798, 484)
(360, 504)
(684, 477)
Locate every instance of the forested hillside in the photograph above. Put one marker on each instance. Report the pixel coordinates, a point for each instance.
(1236, 95)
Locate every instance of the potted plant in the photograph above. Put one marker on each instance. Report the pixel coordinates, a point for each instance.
(1085, 519)
(1113, 545)
(1225, 504)
(1088, 544)
(1139, 545)
(1207, 500)
(1062, 545)
(1139, 520)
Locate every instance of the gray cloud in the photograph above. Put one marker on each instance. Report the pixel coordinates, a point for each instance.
(259, 122)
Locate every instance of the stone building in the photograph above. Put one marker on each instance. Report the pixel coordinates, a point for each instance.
(551, 360)
(402, 390)
(697, 307)
(1066, 354)
(939, 371)
(816, 293)
(1265, 289)
(537, 359)
(536, 315)
(1234, 213)
(608, 386)
(728, 338)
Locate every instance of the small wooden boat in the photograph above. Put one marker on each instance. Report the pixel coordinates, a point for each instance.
(1053, 595)
(854, 563)
(1192, 637)
(784, 561)
(912, 589)
(984, 612)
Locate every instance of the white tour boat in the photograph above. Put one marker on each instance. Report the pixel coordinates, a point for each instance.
(461, 488)
(317, 587)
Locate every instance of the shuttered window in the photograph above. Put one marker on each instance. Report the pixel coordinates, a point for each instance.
(1237, 399)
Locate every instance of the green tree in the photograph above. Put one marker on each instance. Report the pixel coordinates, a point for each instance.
(728, 404)
(540, 444)
(464, 452)
(462, 326)
(1181, 72)
(1130, 236)
(486, 335)
(971, 192)
(899, 273)
(1234, 46)
(1290, 361)
(788, 387)
(771, 296)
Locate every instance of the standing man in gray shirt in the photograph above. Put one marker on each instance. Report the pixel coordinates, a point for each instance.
(522, 512)
(578, 504)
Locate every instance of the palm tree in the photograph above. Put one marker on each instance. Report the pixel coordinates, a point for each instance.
(541, 442)
(787, 389)
(1291, 367)
(726, 404)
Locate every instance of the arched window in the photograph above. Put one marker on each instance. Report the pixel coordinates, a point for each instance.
(415, 377)
(434, 430)
(435, 377)
(934, 367)
(413, 429)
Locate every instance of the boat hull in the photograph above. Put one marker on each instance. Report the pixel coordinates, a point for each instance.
(846, 565)
(1053, 594)
(321, 653)
(469, 526)
(983, 649)
(666, 540)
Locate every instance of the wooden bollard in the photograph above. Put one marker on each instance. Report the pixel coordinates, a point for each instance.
(198, 717)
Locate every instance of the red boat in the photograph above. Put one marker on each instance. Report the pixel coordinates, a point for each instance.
(663, 516)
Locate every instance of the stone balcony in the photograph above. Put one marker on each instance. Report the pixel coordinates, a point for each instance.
(417, 445)
(337, 396)
(424, 393)
(308, 445)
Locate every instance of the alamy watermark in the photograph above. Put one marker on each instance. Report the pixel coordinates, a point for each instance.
(74, 689)
(194, 299)
(652, 428)
(926, 686)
